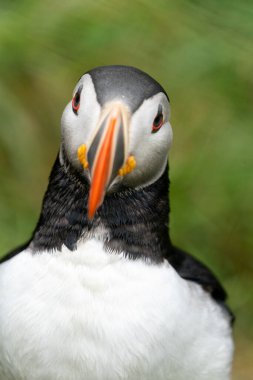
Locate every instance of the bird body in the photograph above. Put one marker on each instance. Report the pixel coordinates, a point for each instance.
(98, 316)
(99, 292)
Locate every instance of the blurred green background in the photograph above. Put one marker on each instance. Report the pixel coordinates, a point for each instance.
(201, 52)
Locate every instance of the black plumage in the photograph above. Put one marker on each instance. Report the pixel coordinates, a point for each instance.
(125, 83)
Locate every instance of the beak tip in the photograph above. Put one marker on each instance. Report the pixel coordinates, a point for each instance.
(93, 205)
(91, 212)
(90, 216)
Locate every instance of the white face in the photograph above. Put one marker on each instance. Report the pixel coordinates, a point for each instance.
(149, 148)
(78, 129)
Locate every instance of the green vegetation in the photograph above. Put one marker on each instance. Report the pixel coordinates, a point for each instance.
(201, 51)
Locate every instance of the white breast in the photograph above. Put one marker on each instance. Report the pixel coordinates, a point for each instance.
(90, 315)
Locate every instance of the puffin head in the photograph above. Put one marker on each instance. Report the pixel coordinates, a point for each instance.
(116, 130)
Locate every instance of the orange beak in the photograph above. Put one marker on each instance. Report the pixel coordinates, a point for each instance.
(107, 154)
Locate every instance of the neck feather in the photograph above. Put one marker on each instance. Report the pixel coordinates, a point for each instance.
(135, 220)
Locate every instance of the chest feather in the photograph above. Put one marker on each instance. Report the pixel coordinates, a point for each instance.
(98, 316)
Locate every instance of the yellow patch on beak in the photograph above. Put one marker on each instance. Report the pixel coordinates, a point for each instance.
(129, 166)
(82, 156)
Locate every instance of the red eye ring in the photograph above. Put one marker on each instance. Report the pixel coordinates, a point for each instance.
(158, 120)
(76, 103)
(76, 100)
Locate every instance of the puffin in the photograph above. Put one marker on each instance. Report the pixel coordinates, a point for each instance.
(99, 292)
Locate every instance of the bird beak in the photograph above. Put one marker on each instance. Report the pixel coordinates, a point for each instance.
(107, 152)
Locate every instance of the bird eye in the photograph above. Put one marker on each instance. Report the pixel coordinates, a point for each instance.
(158, 120)
(76, 100)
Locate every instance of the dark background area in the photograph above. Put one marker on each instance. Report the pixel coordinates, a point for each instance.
(201, 52)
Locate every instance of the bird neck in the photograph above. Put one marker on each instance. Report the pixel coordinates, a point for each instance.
(135, 220)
